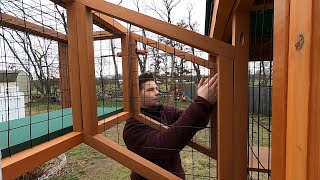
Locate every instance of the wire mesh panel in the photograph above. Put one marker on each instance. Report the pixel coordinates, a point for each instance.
(260, 91)
(34, 90)
(175, 80)
(108, 69)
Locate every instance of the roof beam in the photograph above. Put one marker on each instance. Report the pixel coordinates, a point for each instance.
(108, 23)
(105, 22)
(220, 17)
(102, 35)
(169, 49)
(34, 29)
(240, 6)
(185, 36)
(223, 11)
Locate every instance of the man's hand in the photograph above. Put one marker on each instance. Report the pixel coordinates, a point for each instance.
(209, 90)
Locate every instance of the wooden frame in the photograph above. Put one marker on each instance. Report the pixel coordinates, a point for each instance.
(302, 136)
(240, 34)
(280, 88)
(25, 26)
(295, 130)
(127, 158)
(201, 42)
(223, 13)
(225, 118)
(15, 165)
(64, 75)
(82, 59)
(168, 49)
(102, 35)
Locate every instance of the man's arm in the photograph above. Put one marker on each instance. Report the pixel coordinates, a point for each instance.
(154, 144)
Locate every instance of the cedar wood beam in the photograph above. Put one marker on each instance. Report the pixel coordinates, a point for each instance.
(34, 29)
(111, 121)
(280, 88)
(174, 51)
(127, 158)
(182, 35)
(220, 17)
(240, 6)
(27, 160)
(101, 20)
(102, 35)
(37, 30)
(224, 10)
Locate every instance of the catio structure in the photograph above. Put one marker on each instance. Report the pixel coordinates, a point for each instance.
(67, 74)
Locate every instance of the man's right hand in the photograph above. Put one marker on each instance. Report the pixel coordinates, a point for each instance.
(209, 90)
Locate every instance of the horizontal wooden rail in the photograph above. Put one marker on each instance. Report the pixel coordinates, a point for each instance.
(169, 49)
(127, 158)
(34, 29)
(109, 24)
(111, 121)
(27, 160)
(102, 35)
(182, 35)
(101, 20)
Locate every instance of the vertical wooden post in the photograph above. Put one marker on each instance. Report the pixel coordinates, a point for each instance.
(134, 73)
(126, 73)
(225, 119)
(240, 39)
(313, 166)
(298, 107)
(64, 75)
(80, 40)
(279, 88)
(130, 75)
(74, 70)
(213, 117)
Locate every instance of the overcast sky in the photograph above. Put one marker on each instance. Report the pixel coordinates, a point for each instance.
(178, 12)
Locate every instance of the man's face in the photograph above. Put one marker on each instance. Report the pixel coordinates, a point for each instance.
(149, 95)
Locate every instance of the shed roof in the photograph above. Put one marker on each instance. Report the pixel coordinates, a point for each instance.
(9, 75)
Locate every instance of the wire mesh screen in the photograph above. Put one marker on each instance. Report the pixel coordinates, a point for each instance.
(175, 80)
(260, 92)
(108, 69)
(34, 87)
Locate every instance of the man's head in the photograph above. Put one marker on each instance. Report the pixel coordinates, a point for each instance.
(148, 91)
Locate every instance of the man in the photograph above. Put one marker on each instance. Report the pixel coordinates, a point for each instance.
(163, 147)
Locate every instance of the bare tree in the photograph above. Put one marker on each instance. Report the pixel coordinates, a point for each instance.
(143, 61)
(33, 53)
(37, 64)
(164, 12)
(115, 63)
(193, 27)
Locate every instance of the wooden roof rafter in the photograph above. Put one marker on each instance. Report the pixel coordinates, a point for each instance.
(220, 17)
(171, 50)
(179, 34)
(109, 24)
(224, 10)
(31, 28)
(37, 30)
(105, 22)
(102, 35)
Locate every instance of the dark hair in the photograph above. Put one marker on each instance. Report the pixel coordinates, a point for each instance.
(144, 77)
